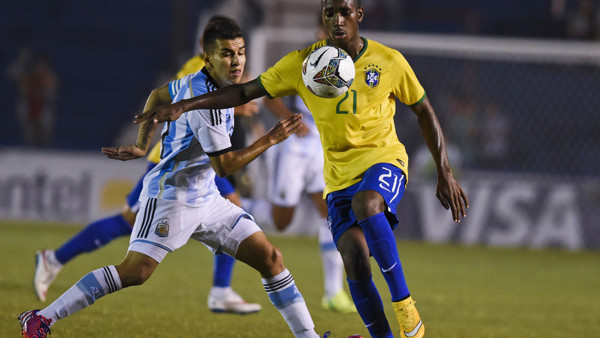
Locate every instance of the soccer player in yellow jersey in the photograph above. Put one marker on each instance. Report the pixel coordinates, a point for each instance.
(222, 298)
(366, 166)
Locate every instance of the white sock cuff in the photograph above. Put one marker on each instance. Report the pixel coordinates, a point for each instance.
(111, 276)
(278, 282)
(282, 275)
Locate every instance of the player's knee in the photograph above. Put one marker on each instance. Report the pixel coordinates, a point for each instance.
(128, 215)
(281, 223)
(367, 203)
(282, 216)
(357, 263)
(134, 273)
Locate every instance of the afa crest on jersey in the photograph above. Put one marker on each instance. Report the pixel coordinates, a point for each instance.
(372, 75)
(162, 229)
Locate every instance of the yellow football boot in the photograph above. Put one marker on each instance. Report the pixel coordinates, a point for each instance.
(408, 317)
(339, 303)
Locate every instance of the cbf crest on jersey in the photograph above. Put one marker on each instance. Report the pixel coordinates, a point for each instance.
(162, 228)
(372, 75)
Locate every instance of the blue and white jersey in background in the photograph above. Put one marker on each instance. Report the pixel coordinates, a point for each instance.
(302, 145)
(184, 172)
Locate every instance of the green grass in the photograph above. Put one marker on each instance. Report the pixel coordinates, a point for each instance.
(460, 291)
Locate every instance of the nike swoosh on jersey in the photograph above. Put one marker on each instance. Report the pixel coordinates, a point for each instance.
(389, 269)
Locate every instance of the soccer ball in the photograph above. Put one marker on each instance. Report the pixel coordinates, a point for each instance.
(328, 71)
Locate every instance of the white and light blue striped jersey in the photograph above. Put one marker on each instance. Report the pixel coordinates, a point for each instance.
(302, 145)
(184, 172)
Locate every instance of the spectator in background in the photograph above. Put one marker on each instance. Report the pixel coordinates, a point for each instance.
(494, 141)
(584, 22)
(38, 89)
(462, 127)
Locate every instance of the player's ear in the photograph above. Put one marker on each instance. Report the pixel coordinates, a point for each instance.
(206, 57)
(360, 14)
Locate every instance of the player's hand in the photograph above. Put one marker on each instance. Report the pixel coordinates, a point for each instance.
(284, 128)
(452, 196)
(124, 153)
(166, 113)
(302, 130)
(248, 109)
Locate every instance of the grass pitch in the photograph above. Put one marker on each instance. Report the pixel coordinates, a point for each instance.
(460, 291)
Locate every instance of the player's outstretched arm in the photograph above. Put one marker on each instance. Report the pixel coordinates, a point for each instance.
(158, 97)
(448, 191)
(230, 162)
(226, 97)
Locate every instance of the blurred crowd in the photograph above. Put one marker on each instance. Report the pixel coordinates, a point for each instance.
(479, 129)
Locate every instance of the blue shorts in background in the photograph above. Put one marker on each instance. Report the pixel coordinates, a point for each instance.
(133, 197)
(385, 178)
(225, 187)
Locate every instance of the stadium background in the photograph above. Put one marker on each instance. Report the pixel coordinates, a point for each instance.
(514, 84)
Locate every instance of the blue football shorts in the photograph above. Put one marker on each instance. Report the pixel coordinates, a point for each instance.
(385, 178)
(225, 187)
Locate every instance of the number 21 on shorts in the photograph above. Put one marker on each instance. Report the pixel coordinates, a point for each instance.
(390, 182)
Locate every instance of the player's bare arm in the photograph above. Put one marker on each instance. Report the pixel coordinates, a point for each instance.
(226, 97)
(158, 97)
(448, 190)
(230, 162)
(249, 109)
(279, 109)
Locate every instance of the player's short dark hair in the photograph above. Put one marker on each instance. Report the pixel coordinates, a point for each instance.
(356, 2)
(219, 28)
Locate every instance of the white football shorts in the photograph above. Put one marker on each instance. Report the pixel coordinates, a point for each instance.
(163, 226)
(293, 172)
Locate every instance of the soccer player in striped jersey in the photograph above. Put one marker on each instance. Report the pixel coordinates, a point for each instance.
(366, 166)
(221, 299)
(179, 199)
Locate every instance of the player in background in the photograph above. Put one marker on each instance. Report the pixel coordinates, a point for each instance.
(366, 166)
(179, 199)
(222, 298)
(295, 166)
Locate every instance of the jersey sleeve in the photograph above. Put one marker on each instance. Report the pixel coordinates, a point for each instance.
(175, 86)
(282, 79)
(210, 128)
(406, 86)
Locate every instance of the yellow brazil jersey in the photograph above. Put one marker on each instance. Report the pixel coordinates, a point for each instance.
(192, 65)
(357, 129)
(154, 155)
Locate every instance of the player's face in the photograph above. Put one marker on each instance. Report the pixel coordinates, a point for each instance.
(227, 60)
(341, 18)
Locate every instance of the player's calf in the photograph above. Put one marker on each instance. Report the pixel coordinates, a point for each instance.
(135, 269)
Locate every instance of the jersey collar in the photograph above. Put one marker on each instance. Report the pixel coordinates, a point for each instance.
(205, 71)
(362, 51)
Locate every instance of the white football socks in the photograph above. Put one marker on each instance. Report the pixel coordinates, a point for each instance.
(333, 266)
(84, 293)
(288, 300)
